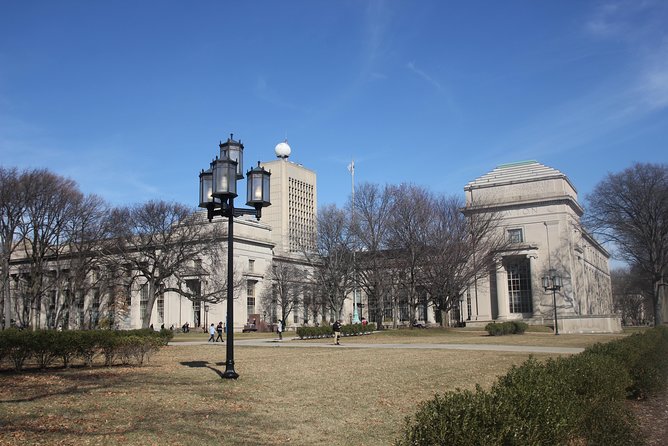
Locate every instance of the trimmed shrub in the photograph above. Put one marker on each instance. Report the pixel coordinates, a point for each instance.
(314, 332)
(87, 343)
(125, 346)
(42, 347)
(65, 344)
(644, 355)
(572, 400)
(166, 335)
(504, 328)
(552, 402)
(46, 345)
(460, 417)
(18, 346)
(325, 331)
(109, 346)
(519, 327)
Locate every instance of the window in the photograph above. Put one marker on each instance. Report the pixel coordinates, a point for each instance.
(80, 312)
(251, 265)
(128, 296)
(51, 311)
(519, 286)
(250, 297)
(161, 309)
(515, 236)
(143, 301)
(95, 314)
(195, 286)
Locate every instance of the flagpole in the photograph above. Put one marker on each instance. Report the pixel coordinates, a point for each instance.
(351, 167)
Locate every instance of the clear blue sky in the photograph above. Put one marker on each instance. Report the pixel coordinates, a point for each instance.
(130, 98)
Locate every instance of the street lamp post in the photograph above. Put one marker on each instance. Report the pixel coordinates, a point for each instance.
(461, 310)
(552, 282)
(218, 188)
(206, 314)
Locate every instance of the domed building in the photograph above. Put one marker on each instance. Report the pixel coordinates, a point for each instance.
(539, 212)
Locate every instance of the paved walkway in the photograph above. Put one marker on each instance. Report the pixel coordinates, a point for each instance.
(471, 347)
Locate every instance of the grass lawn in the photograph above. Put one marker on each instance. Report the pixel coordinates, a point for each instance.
(283, 396)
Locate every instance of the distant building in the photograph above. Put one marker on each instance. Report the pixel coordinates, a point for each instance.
(292, 215)
(540, 214)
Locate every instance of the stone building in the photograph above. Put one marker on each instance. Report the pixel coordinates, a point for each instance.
(540, 215)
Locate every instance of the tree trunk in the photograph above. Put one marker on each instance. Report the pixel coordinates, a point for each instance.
(659, 291)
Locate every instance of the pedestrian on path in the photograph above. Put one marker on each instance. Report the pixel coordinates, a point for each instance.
(212, 333)
(219, 329)
(279, 329)
(337, 331)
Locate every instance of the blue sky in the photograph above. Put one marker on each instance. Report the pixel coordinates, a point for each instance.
(130, 98)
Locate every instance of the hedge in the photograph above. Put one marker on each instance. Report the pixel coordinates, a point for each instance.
(47, 346)
(571, 400)
(504, 328)
(325, 331)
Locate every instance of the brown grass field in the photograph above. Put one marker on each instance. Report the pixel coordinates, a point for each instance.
(295, 396)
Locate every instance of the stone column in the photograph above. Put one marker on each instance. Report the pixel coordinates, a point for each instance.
(503, 305)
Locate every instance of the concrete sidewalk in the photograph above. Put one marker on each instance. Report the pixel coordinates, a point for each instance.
(286, 343)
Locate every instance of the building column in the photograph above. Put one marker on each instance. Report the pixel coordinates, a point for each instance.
(536, 284)
(503, 305)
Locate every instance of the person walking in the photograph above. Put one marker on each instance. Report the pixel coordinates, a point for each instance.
(337, 331)
(219, 329)
(279, 329)
(212, 333)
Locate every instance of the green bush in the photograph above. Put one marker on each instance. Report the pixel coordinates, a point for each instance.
(564, 401)
(165, 335)
(65, 345)
(17, 346)
(460, 417)
(519, 327)
(88, 346)
(504, 328)
(325, 331)
(46, 345)
(644, 355)
(42, 342)
(314, 332)
(552, 402)
(356, 329)
(109, 346)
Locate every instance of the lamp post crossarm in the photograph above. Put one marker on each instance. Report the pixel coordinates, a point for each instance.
(224, 211)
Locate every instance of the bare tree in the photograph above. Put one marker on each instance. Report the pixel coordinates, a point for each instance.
(12, 208)
(51, 204)
(462, 245)
(82, 268)
(409, 232)
(630, 209)
(372, 209)
(630, 293)
(159, 242)
(332, 260)
(285, 294)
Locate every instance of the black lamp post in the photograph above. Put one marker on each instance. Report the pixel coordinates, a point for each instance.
(461, 310)
(552, 282)
(217, 190)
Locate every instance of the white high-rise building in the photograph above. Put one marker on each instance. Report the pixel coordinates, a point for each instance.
(292, 214)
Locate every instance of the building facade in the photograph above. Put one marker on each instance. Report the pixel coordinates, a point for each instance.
(537, 210)
(540, 215)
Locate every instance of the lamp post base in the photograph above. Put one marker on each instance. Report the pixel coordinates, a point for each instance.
(229, 372)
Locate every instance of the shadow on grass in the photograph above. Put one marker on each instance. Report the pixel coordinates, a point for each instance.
(201, 364)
